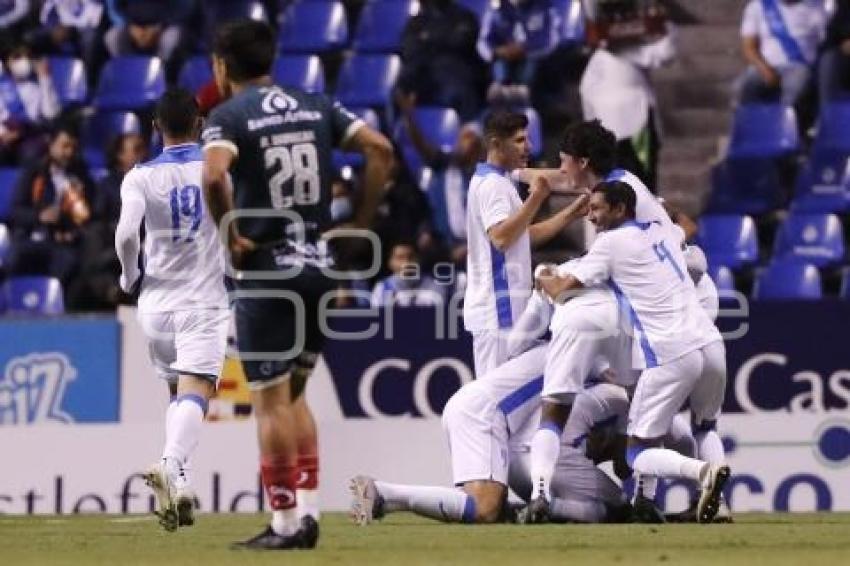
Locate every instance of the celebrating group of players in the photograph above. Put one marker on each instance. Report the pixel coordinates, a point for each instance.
(632, 340)
(541, 414)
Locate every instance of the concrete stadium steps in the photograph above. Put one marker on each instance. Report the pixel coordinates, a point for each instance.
(695, 99)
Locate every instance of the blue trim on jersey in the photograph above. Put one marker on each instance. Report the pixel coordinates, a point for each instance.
(554, 427)
(616, 175)
(596, 426)
(519, 397)
(469, 510)
(779, 28)
(636, 224)
(632, 452)
(192, 398)
(623, 301)
(179, 154)
(501, 289)
(483, 168)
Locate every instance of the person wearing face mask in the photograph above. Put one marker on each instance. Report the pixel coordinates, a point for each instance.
(28, 100)
(780, 42)
(51, 208)
(514, 37)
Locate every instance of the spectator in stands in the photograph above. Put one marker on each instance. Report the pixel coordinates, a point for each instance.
(407, 285)
(834, 66)
(72, 27)
(28, 101)
(514, 38)
(780, 42)
(99, 289)
(150, 27)
(13, 18)
(50, 209)
(441, 64)
(449, 179)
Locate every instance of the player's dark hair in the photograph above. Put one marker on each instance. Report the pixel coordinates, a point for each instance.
(177, 112)
(502, 124)
(64, 127)
(247, 47)
(618, 192)
(592, 141)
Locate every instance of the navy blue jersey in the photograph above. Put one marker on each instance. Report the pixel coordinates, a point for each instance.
(283, 141)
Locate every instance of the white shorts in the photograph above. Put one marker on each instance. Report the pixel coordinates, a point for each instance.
(586, 338)
(189, 342)
(699, 376)
(478, 448)
(489, 350)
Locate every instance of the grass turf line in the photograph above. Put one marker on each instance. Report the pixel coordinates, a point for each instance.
(404, 540)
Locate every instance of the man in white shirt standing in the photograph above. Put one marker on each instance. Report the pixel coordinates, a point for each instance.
(500, 236)
(680, 350)
(780, 43)
(183, 307)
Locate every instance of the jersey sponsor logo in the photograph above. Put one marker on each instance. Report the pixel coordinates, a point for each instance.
(211, 133)
(276, 101)
(32, 389)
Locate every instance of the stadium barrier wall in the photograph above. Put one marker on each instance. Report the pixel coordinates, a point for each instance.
(81, 413)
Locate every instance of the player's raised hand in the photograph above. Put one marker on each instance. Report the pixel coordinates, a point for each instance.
(540, 187)
(579, 207)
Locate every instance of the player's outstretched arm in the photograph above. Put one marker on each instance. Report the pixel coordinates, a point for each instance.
(543, 231)
(127, 241)
(508, 231)
(378, 152)
(556, 287)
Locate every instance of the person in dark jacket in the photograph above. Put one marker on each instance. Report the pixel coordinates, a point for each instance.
(834, 65)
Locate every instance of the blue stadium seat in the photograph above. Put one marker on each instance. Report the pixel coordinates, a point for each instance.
(8, 179)
(367, 80)
(788, 280)
(33, 295)
(745, 186)
(815, 238)
(300, 71)
(440, 127)
(100, 128)
(477, 7)
(352, 159)
(5, 245)
(728, 239)
(823, 185)
(764, 130)
(69, 79)
(380, 25)
(834, 126)
(314, 26)
(195, 73)
(130, 83)
(572, 15)
(723, 278)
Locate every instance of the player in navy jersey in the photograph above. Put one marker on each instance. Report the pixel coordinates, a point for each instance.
(275, 144)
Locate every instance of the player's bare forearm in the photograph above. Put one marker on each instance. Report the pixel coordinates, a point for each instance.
(505, 233)
(376, 173)
(542, 232)
(216, 185)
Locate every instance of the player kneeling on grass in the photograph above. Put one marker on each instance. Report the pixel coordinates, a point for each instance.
(183, 307)
(489, 423)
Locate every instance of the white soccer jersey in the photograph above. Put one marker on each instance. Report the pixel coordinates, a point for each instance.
(499, 283)
(708, 297)
(647, 207)
(183, 258)
(652, 285)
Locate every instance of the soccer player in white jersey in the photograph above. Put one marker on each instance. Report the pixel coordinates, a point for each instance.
(682, 352)
(183, 307)
(487, 424)
(500, 235)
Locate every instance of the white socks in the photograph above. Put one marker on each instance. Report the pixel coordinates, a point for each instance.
(285, 522)
(662, 462)
(308, 502)
(583, 511)
(545, 448)
(680, 438)
(710, 447)
(183, 422)
(441, 503)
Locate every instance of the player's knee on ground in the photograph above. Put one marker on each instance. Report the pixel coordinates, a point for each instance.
(489, 499)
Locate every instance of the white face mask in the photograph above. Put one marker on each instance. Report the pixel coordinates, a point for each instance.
(21, 67)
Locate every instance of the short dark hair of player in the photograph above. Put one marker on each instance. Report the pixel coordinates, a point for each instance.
(618, 192)
(247, 48)
(502, 124)
(594, 142)
(177, 112)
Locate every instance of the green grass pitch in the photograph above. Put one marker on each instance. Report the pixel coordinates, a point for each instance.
(403, 540)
